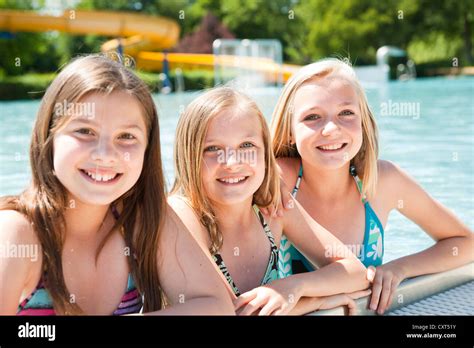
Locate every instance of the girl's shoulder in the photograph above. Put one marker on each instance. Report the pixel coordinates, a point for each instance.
(288, 168)
(391, 182)
(390, 175)
(180, 209)
(15, 227)
(20, 259)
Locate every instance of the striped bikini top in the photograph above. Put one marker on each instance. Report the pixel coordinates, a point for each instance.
(370, 253)
(271, 272)
(39, 302)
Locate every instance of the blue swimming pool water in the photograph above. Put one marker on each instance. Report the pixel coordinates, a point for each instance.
(426, 126)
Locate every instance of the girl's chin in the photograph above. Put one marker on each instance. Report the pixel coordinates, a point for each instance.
(94, 198)
(332, 164)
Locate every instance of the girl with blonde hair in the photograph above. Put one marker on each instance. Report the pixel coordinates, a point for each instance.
(94, 219)
(325, 139)
(225, 172)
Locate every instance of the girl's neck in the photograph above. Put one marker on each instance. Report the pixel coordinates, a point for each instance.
(84, 221)
(327, 185)
(234, 218)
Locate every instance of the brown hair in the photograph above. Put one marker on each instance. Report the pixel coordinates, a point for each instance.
(188, 155)
(45, 200)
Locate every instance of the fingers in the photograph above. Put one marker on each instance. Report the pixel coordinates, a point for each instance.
(393, 288)
(252, 307)
(351, 306)
(359, 294)
(390, 299)
(376, 290)
(371, 272)
(386, 291)
(280, 311)
(269, 308)
(244, 299)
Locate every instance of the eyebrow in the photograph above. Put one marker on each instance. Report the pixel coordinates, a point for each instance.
(315, 107)
(248, 136)
(87, 121)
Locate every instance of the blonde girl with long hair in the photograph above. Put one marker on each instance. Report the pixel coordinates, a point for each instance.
(100, 236)
(325, 139)
(225, 172)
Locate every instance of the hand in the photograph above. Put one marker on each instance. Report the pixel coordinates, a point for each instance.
(329, 302)
(287, 202)
(386, 281)
(276, 298)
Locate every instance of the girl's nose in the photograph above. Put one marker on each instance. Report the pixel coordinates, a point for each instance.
(104, 151)
(330, 128)
(231, 159)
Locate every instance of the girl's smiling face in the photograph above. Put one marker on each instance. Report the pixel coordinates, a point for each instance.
(326, 124)
(99, 158)
(233, 158)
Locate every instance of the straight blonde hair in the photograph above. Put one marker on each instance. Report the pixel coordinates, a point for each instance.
(365, 160)
(188, 155)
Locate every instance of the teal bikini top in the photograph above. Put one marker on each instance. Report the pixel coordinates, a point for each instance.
(291, 261)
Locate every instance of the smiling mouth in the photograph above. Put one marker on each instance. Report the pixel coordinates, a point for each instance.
(233, 181)
(332, 147)
(98, 178)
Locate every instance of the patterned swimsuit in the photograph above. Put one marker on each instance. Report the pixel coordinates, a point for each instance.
(40, 302)
(271, 272)
(291, 261)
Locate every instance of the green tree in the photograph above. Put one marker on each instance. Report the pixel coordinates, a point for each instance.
(354, 28)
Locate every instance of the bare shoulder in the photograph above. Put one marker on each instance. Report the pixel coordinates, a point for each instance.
(20, 266)
(16, 228)
(288, 169)
(393, 183)
(179, 204)
(390, 175)
(182, 214)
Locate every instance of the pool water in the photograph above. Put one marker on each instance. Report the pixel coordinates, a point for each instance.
(426, 126)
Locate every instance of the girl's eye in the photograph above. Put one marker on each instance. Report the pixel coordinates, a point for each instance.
(346, 113)
(127, 136)
(84, 131)
(312, 117)
(247, 145)
(211, 149)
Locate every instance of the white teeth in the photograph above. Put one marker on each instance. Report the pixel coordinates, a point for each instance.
(232, 180)
(331, 147)
(100, 177)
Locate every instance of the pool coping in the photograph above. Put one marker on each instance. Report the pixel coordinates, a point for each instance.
(413, 290)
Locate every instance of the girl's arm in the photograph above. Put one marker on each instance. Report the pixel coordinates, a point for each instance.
(15, 234)
(454, 241)
(339, 271)
(189, 278)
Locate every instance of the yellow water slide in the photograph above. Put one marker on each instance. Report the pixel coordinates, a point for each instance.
(137, 34)
(138, 31)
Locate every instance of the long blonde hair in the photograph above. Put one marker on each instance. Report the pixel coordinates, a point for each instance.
(44, 202)
(365, 160)
(188, 155)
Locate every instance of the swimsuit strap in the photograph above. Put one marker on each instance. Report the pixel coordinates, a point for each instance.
(271, 272)
(353, 172)
(298, 181)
